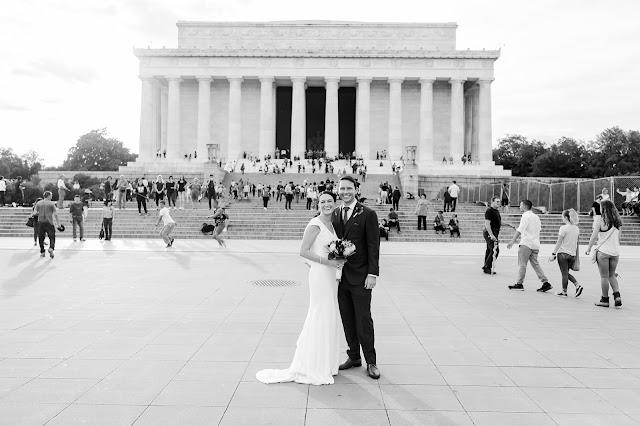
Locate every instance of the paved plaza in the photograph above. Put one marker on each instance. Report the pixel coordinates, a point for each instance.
(128, 332)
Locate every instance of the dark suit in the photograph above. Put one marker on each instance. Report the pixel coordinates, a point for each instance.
(353, 299)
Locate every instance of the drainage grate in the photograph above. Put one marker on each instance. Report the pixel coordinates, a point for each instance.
(274, 283)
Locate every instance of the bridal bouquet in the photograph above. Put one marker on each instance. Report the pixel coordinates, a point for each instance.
(340, 249)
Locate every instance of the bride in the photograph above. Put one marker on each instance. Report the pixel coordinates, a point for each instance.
(317, 354)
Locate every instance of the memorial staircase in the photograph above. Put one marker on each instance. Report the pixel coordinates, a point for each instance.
(248, 220)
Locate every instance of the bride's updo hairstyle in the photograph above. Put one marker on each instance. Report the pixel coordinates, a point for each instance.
(329, 193)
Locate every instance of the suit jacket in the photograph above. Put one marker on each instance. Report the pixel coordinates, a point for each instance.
(362, 230)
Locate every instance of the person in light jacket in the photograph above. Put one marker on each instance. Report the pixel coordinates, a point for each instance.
(422, 208)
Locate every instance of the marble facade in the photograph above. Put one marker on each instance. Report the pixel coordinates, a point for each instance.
(413, 88)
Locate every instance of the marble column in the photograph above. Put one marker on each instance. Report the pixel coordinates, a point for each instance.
(425, 144)
(273, 118)
(331, 129)
(266, 117)
(475, 106)
(174, 150)
(157, 124)
(164, 111)
(234, 140)
(204, 117)
(298, 117)
(363, 118)
(456, 132)
(146, 119)
(395, 118)
(468, 121)
(485, 147)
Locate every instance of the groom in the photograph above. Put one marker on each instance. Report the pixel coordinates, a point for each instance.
(358, 224)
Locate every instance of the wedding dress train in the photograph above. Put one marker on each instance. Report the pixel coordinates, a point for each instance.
(316, 359)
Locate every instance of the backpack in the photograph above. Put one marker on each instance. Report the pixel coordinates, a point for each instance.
(207, 228)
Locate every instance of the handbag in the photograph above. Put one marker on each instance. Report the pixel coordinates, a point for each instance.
(30, 222)
(576, 263)
(101, 236)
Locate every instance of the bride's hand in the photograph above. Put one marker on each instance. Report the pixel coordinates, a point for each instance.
(336, 263)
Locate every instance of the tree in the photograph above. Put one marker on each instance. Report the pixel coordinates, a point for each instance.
(565, 158)
(517, 154)
(615, 152)
(95, 152)
(13, 165)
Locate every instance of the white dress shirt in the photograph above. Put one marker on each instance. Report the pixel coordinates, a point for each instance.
(529, 230)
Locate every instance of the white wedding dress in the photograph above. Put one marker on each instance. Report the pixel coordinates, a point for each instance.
(317, 354)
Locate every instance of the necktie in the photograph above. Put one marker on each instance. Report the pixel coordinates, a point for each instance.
(345, 214)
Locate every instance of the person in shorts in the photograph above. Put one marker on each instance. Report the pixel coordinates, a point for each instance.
(164, 216)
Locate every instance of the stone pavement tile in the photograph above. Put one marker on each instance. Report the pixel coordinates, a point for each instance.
(419, 397)
(439, 418)
(500, 399)
(253, 367)
(418, 322)
(212, 371)
(26, 336)
(280, 340)
(106, 415)
(556, 345)
(356, 375)
(112, 347)
(592, 419)
(102, 325)
(473, 375)
(401, 353)
(490, 332)
(459, 343)
(601, 346)
(392, 329)
(581, 359)
(13, 349)
(63, 345)
(280, 395)
(8, 384)
(284, 327)
(570, 400)
(12, 367)
(409, 375)
(435, 332)
(526, 332)
(273, 354)
(528, 358)
(82, 369)
(171, 416)
(14, 414)
(222, 339)
(197, 393)
(346, 396)
(166, 352)
(499, 344)
(238, 351)
(257, 318)
(605, 378)
(242, 327)
(509, 419)
(625, 400)
(52, 391)
(542, 377)
(462, 357)
(53, 324)
(183, 336)
(354, 416)
(630, 359)
(263, 416)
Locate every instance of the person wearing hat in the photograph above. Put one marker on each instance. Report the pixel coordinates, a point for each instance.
(47, 214)
(76, 209)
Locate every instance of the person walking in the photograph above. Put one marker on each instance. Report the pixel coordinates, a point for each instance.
(266, 194)
(447, 200)
(491, 231)
(47, 215)
(62, 191)
(3, 190)
(211, 192)
(220, 222)
(529, 247)
(164, 216)
(182, 192)
(18, 192)
(607, 254)
(422, 209)
(141, 197)
(454, 190)
(34, 215)
(107, 219)
(504, 197)
(395, 197)
(288, 195)
(76, 210)
(566, 251)
(170, 187)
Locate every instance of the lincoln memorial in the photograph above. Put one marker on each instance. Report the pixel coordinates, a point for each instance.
(339, 87)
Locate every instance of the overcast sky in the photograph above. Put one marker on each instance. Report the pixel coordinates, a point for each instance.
(567, 68)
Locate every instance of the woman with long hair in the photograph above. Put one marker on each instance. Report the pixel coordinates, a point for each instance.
(220, 222)
(195, 192)
(607, 236)
(182, 191)
(159, 186)
(566, 250)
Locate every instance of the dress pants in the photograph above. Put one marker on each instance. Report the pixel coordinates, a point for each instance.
(488, 254)
(355, 310)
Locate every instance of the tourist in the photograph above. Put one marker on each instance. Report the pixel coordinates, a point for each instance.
(309, 191)
(491, 231)
(246, 189)
(18, 192)
(604, 195)
(77, 214)
(259, 187)
(454, 226)
(220, 222)
(504, 198)
(266, 194)
(288, 195)
(170, 188)
(607, 252)
(168, 222)
(447, 200)
(393, 219)
(566, 251)
(122, 192)
(438, 223)
(628, 195)
(47, 214)
(396, 195)
(129, 191)
(595, 213)
(141, 197)
(384, 194)
(107, 219)
(529, 247)
(422, 209)
(3, 190)
(34, 215)
(160, 189)
(62, 191)
(182, 188)
(195, 192)
(212, 195)
(108, 189)
(454, 190)
(384, 229)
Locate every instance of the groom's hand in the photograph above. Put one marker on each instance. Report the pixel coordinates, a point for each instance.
(370, 282)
